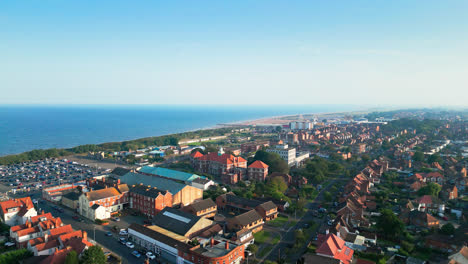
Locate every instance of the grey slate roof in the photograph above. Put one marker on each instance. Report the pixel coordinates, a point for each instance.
(231, 198)
(268, 206)
(203, 204)
(160, 237)
(74, 196)
(248, 217)
(152, 192)
(170, 219)
(132, 178)
(119, 171)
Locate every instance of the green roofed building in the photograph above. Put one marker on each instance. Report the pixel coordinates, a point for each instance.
(169, 174)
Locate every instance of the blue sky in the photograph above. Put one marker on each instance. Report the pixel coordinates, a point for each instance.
(234, 52)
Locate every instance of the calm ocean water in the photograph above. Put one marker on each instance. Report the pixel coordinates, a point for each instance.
(24, 128)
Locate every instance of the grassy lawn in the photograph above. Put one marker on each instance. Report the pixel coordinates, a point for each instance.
(279, 221)
(292, 222)
(262, 237)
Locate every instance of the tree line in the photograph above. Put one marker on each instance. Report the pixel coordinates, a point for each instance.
(111, 146)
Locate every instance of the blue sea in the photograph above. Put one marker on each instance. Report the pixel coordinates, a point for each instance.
(24, 128)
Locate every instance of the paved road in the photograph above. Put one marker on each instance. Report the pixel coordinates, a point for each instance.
(288, 237)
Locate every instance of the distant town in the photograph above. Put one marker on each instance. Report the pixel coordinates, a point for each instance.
(380, 187)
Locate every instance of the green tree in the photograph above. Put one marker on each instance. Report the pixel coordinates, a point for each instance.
(328, 196)
(252, 248)
(14, 256)
(430, 189)
(93, 255)
(273, 160)
(72, 258)
(447, 229)
(434, 158)
(418, 156)
(389, 224)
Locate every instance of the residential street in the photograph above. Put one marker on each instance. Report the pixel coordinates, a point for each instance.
(288, 237)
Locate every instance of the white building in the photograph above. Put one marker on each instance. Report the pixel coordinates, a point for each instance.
(17, 211)
(101, 204)
(306, 125)
(301, 157)
(202, 183)
(286, 153)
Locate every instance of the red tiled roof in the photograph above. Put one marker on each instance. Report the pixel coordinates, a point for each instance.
(47, 245)
(20, 202)
(67, 236)
(35, 219)
(61, 230)
(27, 231)
(36, 241)
(57, 258)
(258, 164)
(196, 154)
(426, 199)
(223, 159)
(335, 247)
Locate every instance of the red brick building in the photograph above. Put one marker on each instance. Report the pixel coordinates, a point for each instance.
(218, 163)
(257, 171)
(149, 201)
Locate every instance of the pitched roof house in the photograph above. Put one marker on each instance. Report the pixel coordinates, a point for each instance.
(332, 246)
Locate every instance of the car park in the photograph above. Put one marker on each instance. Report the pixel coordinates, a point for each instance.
(136, 254)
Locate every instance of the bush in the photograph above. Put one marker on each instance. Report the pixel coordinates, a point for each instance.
(101, 222)
(15, 256)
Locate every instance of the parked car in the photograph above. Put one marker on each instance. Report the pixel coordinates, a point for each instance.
(108, 233)
(130, 245)
(330, 222)
(136, 254)
(150, 255)
(9, 244)
(123, 241)
(123, 232)
(116, 219)
(76, 217)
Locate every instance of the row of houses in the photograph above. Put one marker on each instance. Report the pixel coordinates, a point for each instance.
(47, 237)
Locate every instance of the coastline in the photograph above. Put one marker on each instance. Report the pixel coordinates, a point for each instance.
(266, 121)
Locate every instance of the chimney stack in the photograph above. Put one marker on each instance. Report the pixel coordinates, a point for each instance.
(226, 245)
(46, 237)
(85, 235)
(212, 242)
(118, 181)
